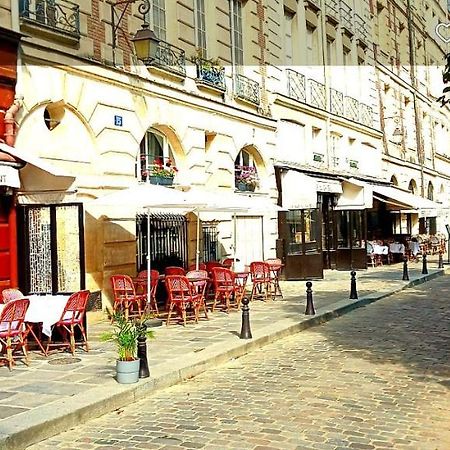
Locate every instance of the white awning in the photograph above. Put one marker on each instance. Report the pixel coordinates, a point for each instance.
(355, 195)
(403, 200)
(328, 185)
(38, 175)
(9, 176)
(299, 191)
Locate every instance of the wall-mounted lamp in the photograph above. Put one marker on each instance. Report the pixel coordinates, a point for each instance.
(145, 41)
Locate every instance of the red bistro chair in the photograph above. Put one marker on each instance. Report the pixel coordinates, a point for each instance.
(260, 277)
(12, 329)
(11, 294)
(224, 286)
(199, 279)
(181, 294)
(240, 282)
(141, 283)
(71, 317)
(201, 266)
(275, 266)
(174, 270)
(125, 297)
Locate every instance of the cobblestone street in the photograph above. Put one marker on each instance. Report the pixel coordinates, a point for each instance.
(376, 378)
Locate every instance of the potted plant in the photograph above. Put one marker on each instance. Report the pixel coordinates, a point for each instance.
(162, 173)
(246, 178)
(126, 334)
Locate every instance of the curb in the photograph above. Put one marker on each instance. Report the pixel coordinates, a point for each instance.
(46, 421)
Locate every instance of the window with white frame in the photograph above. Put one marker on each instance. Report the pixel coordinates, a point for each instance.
(237, 43)
(156, 18)
(200, 27)
(154, 151)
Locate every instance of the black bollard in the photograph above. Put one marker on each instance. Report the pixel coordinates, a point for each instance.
(424, 264)
(405, 269)
(142, 355)
(441, 262)
(353, 292)
(309, 300)
(246, 333)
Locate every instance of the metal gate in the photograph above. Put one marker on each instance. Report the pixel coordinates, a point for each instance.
(168, 241)
(210, 241)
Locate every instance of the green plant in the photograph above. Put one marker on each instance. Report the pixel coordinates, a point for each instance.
(159, 169)
(200, 59)
(246, 175)
(126, 333)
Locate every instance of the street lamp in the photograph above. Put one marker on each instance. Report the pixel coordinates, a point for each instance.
(145, 41)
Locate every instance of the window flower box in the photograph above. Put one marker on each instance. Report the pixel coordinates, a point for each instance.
(246, 178)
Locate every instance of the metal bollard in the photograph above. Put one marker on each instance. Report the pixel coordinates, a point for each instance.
(441, 261)
(424, 264)
(142, 355)
(353, 292)
(405, 269)
(310, 311)
(246, 333)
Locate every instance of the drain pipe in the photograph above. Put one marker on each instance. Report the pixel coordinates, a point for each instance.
(10, 122)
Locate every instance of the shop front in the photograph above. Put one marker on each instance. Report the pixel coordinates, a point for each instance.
(324, 226)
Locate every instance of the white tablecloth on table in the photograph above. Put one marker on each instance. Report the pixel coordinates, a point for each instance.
(380, 249)
(414, 247)
(45, 309)
(395, 247)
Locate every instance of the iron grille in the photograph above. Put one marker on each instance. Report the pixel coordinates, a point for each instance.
(168, 241)
(332, 9)
(317, 92)
(352, 109)
(210, 241)
(51, 248)
(366, 116)
(170, 58)
(346, 16)
(296, 85)
(247, 89)
(211, 74)
(59, 15)
(337, 102)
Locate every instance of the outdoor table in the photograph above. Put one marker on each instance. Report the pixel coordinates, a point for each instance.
(240, 280)
(46, 310)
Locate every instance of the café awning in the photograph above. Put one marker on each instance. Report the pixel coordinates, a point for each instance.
(38, 174)
(355, 195)
(9, 176)
(299, 191)
(401, 200)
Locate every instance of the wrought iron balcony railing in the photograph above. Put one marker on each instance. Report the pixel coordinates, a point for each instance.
(58, 15)
(361, 29)
(168, 57)
(346, 16)
(296, 84)
(352, 109)
(332, 9)
(211, 74)
(317, 94)
(247, 89)
(336, 102)
(366, 115)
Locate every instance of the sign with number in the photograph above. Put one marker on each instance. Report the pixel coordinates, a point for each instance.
(118, 121)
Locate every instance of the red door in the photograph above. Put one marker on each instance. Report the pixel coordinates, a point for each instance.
(8, 251)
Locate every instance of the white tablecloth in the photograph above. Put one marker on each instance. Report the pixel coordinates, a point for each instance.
(46, 309)
(380, 249)
(395, 247)
(414, 247)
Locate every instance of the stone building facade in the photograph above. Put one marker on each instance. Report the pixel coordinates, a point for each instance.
(298, 92)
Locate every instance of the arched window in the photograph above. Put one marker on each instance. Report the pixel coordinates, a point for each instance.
(394, 180)
(430, 191)
(155, 157)
(412, 187)
(245, 172)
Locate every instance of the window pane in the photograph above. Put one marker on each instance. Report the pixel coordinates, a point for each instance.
(294, 238)
(357, 229)
(310, 222)
(342, 218)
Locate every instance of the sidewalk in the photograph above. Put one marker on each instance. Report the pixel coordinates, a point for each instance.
(59, 392)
